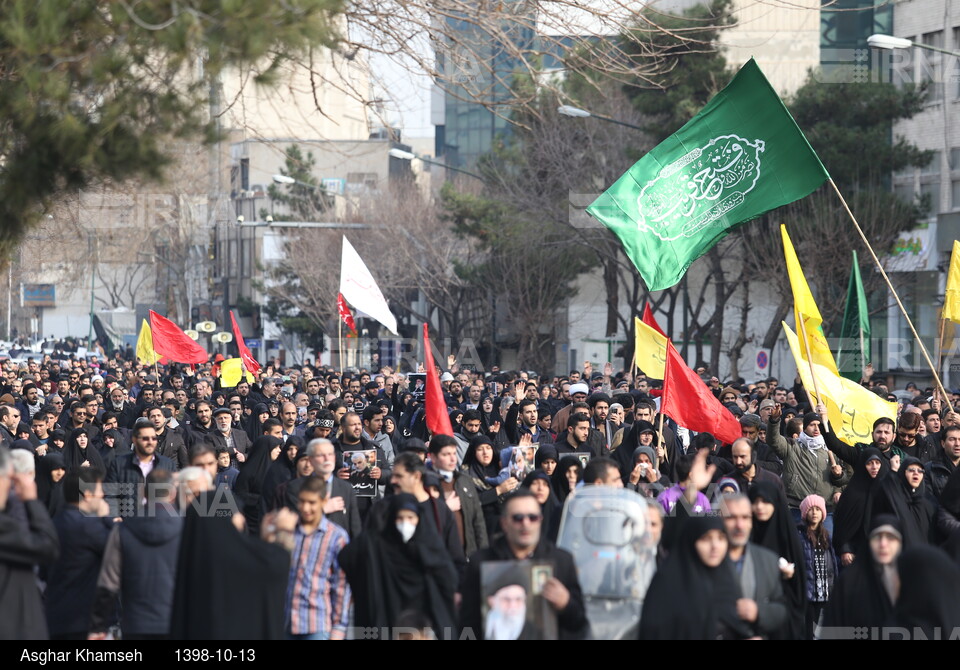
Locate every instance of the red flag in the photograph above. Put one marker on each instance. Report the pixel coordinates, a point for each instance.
(345, 313)
(170, 341)
(249, 362)
(649, 319)
(438, 421)
(688, 401)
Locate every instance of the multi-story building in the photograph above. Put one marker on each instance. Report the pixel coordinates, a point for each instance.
(925, 252)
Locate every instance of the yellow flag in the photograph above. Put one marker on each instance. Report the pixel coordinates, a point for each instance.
(651, 348)
(145, 351)
(231, 372)
(805, 310)
(951, 301)
(851, 408)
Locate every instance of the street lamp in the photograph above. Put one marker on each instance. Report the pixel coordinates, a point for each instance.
(287, 181)
(570, 110)
(409, 156)
(576, 112)
(890, 43)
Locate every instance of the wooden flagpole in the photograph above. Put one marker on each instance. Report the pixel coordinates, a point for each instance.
(660, 430)
(340, 339)
(903, 310)
(863, 363)
(943, 323)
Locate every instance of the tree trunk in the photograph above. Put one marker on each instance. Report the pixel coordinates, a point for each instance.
(737, 347)
(720, 297)
(612, 286)
(774, 329)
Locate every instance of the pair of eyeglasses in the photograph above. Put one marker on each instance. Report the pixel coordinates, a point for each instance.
(532, 518)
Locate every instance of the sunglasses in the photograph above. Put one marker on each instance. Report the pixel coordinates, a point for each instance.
(532, 518)
(914, 471)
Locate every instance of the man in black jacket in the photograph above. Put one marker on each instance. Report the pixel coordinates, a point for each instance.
(9, 422)
(140, 565)
(83, 531)
(224, 436)
(943, 466)
(169, 443)
(576, 439)
(521, 522)
(743, 455)
(127, 473)
(126, 411)
(203, 425)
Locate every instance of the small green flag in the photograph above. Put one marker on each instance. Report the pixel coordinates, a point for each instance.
(741, 156)
(854, 350)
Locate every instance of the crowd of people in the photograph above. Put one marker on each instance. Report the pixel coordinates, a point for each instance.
(311, 503)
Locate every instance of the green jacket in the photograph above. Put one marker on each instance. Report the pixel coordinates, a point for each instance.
(805, 472)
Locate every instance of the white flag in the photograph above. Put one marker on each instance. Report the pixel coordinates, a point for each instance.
(361, 291)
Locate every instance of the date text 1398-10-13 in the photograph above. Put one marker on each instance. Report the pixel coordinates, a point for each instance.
(218, 655)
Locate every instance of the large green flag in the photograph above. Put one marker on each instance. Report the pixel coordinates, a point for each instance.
(741, 156)
(854, 350)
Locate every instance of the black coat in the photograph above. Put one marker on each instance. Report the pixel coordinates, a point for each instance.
(229, 586)
(915, 508)
(388, 575)
(72, 580)
(148, 546)
(172, 445)
(937, 473)
(240, 442)
(122, 485)
(572, 621)
(855, 509)
(21, 611)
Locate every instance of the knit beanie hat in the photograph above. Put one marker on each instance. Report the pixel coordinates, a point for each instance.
(813, 500)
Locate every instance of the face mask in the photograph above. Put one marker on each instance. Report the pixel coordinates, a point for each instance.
(406, 530)
(288, 390)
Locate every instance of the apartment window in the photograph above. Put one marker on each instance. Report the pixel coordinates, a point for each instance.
(931, 193)
(904, 192)
(952, 71)
(931, 65)
(245, 174)
(955, 194)
(933, 167)
(955, 159)
(362, 181)
(906, 172)
(902, 66)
